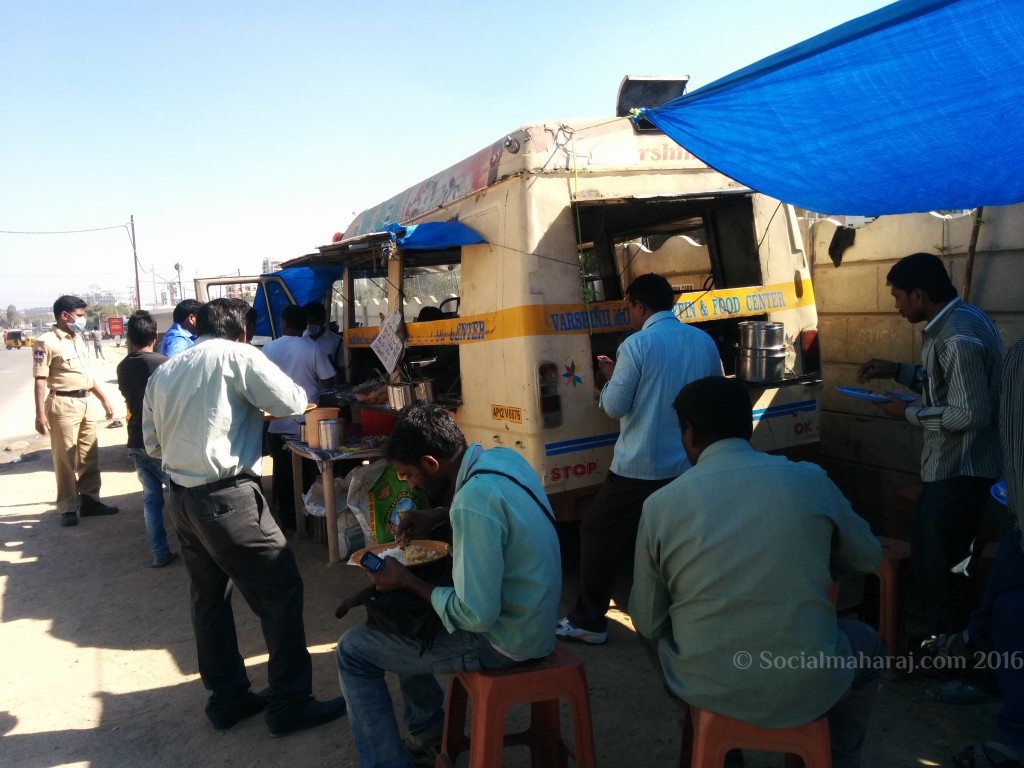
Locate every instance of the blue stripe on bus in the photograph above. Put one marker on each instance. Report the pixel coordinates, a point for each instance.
(580, 444)
(774, 411)
(601, 441)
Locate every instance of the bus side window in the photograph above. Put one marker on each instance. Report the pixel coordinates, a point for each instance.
(450, 306)
(550, 399)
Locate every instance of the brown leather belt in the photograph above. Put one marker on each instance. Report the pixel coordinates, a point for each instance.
(73, 393)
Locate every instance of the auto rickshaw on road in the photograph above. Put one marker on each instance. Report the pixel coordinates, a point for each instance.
(18, 339)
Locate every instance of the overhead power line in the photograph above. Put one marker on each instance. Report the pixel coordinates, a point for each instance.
(60, 232)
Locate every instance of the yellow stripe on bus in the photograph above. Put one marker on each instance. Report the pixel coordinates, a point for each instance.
(600, 317)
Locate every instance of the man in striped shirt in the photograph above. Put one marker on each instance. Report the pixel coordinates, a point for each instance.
(995, 632)
(959, 386)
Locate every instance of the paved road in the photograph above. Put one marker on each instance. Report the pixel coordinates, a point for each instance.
(16, 414)
(17, 409)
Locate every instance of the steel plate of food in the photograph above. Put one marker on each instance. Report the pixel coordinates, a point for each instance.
(418, 552)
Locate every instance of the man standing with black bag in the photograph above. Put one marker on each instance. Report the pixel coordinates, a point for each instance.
(499, 612)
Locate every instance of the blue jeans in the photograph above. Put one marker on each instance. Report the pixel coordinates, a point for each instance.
(848, 717)
(996, 628)
(153, 479)
(364, 655)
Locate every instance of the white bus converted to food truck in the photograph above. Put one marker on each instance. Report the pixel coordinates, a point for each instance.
(569, 214)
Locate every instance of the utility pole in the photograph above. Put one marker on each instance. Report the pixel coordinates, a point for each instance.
(135, 262)
(181, 293)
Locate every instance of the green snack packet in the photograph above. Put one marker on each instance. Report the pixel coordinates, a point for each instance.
(390, 498)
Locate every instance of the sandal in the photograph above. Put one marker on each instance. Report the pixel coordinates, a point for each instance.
(961, 692)
(953, 644)
(943, 656)
(987, 754)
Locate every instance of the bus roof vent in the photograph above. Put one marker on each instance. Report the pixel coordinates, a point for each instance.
(639, 91)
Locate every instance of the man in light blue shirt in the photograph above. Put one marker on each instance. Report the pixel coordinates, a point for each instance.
(652, 366)
(181, 335)
(507, 579)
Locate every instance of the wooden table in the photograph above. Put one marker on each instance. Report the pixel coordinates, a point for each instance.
(325, 461)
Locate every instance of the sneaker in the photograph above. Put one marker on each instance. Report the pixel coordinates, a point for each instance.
(68, 519)
(567, 631)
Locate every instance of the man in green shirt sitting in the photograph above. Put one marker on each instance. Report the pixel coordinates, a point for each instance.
(734, 560)
(507, 576)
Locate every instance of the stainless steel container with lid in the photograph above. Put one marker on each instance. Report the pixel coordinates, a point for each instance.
(399, 396)
(761, 355)
(760, 364)
(758, 334)
(329, 434)
(423, 390)
(313, 419)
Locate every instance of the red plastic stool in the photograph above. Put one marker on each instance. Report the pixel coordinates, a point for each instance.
(707, 737)
(540, 684)
(895, 559)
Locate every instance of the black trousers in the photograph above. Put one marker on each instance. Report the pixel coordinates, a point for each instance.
(227, 534)
(607, 546)
(942, 533)
(284, 482)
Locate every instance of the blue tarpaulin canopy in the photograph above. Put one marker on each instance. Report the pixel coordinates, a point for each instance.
(433, 235)
(918, 106)
(305, 283)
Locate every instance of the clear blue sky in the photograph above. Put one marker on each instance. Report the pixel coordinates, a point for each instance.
(235, 131)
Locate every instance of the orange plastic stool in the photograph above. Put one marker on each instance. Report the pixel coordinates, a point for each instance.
(540, 684)
(895, 559)
(707, 737)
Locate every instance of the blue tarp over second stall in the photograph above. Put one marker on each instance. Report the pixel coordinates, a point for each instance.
(311, 283)
(305, 283)
(912, 108)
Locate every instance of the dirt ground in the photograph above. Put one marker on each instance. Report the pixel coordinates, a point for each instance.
(98, 665)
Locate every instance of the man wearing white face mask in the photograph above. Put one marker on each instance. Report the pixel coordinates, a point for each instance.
(326, 339)
(58, 362)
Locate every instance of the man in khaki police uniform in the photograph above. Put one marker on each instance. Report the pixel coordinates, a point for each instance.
(58, 362)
